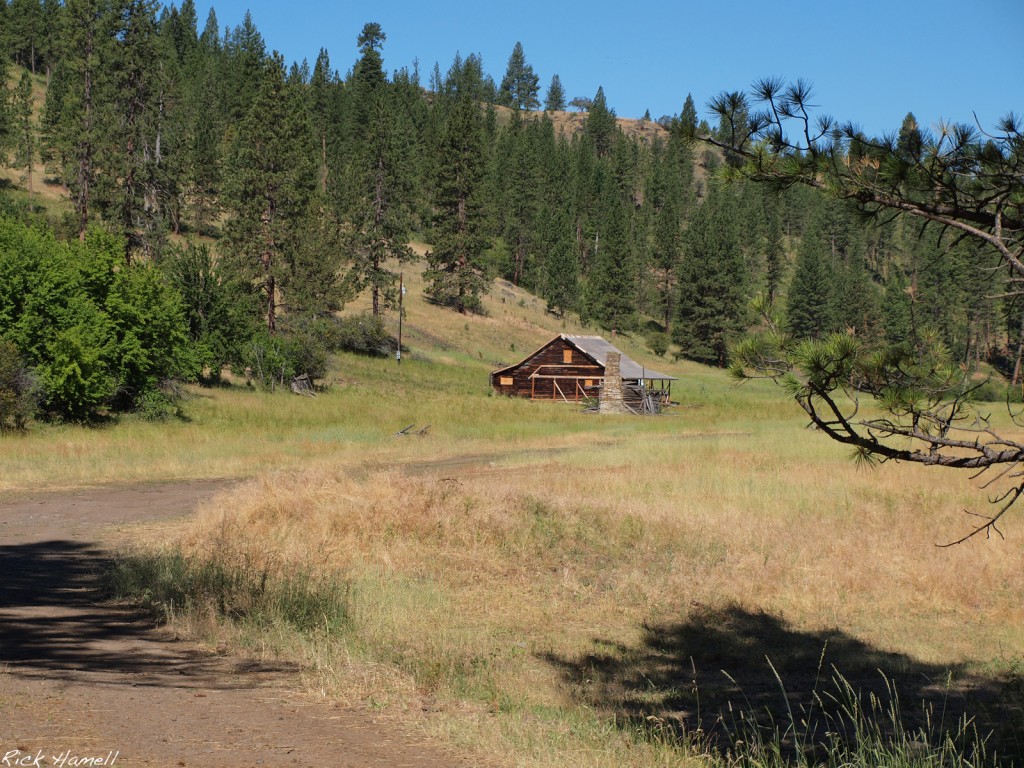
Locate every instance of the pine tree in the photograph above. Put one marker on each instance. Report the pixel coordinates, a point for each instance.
(519, 87)
(910, 142)
(368, 74)
(184, 32)
(5, 34)
(774, 254)
(199, 149)
(611, 277)
(25, 146)
(26, 24)
(600, 125)
(897, 310)
(688, 118)
(7, 125)
(210, 36)
(712, 284)
(380, 212)
(561, 266)
(325, 113)
(668, 201)
(413, 116)
(809, 307)
(456, 272)
(267, 185)
(555, 99)
(855, 298)
(126, 190)
(75, 127)
(52, 11)
(246, 54)
(517, 196)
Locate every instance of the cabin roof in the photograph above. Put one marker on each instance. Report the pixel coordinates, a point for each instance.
(597, 349)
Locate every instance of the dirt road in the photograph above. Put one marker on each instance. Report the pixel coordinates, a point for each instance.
(85, 682)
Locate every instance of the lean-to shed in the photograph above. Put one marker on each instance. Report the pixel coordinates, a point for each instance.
(571, 369)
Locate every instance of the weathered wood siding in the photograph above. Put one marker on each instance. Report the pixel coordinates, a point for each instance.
(559, 358)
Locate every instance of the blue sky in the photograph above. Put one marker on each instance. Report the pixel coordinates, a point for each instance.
(871, 61)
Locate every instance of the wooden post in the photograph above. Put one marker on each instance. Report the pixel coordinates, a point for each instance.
(401, 297)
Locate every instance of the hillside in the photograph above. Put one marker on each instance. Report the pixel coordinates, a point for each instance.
(513, 324)
(519, 579)
(571, 123)
(46, 191)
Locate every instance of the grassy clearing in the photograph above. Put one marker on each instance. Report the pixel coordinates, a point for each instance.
(236, 432)
(554, 608)
(545, 587)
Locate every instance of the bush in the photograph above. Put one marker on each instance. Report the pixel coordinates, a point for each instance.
(97, 335)
(658, 342)
(19, 392)
(159, 403)
(299, 347)
(306, 346)
(302, 345)
(364, 335)
(265, 358)
(220, 310)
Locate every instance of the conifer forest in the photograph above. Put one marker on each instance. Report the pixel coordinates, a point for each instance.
(223, 204)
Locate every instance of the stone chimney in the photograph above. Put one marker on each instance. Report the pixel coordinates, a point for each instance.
(611, 390)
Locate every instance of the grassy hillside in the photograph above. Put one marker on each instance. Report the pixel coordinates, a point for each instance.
(47, 192)
(568, 124)
(443, 380)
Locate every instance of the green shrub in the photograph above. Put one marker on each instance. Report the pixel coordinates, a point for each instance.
(220, 311)
(266, 361)
(159, 404)
(996, 390)
(97, 334)
(364, 335)
(658, 342)
(307, 351)
(18, 389)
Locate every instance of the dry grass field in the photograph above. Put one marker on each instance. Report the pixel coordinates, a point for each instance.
(544, 587)
(541, 586)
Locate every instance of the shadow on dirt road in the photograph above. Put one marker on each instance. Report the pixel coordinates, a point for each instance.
(54, 620)
(90, 676)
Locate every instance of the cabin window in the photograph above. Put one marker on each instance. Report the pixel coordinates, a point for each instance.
(589, 383)
(566, 355)
(506, 381)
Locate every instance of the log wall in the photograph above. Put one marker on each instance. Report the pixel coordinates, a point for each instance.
(557, 359)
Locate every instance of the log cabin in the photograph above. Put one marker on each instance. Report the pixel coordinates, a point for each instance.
(571, 369)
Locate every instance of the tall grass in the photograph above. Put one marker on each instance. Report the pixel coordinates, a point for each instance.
(171, 586)
(859, 732)
(472, 589)
(546, 587)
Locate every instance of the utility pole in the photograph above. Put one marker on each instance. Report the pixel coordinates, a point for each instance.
(401, 310)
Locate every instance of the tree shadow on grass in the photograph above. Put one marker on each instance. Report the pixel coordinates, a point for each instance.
(726, 674)
(56, 622)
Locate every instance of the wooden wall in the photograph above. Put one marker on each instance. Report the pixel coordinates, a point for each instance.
(559, 358)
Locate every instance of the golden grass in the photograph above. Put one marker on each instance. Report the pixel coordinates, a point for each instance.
(443, 382)
(467, 579)
(569, 123)
(517, 533)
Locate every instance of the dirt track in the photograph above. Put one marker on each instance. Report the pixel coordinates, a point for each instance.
(80, 678)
